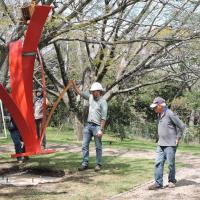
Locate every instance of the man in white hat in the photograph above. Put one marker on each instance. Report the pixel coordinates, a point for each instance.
(95, 124)
(170, 131)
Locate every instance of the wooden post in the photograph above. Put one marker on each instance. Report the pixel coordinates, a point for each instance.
(28, 10)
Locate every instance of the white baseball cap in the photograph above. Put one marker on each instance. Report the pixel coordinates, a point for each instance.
(158, 101)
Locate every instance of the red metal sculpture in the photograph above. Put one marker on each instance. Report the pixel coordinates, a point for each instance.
(20, 102)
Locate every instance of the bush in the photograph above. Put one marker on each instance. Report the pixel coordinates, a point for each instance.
(119, 117)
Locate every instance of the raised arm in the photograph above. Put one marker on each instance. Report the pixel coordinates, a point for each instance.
(85, 95)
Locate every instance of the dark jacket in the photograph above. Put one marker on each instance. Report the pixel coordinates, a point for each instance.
(11, 125)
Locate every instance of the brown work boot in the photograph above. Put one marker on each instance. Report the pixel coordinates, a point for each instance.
(82, 168)
(155, 187)
(97, 168)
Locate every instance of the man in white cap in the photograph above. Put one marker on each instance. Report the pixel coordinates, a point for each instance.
(170, 131)
(38, 113)
(95, 124)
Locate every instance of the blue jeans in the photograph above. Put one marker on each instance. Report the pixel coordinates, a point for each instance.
(17, 140)
(165, 153)
(89, 131)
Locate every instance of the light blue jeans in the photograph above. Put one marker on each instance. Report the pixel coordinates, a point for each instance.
(165, 153)
(89, 131)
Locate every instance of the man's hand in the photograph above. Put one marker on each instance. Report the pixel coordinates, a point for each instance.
(99, 133)
(177, 142)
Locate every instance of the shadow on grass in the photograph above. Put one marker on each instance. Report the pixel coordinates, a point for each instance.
(71, 161)
(29, 193)
(6, 171)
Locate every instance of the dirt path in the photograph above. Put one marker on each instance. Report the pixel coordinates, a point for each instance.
(188, 186)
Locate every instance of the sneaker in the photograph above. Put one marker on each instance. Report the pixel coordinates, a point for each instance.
(171, 185)
(20, 160)
(154, 187)
(97, 168)
(82, 168)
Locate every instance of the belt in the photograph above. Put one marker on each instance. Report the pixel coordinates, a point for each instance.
(93, 124)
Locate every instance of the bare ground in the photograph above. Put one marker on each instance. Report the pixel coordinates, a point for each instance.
(188, 185)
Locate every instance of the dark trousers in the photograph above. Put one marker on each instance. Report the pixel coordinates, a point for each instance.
(38, 128)
(17, 140)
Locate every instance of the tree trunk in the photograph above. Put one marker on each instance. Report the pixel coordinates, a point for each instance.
(4, 72)
(78, 128)
(192, 117)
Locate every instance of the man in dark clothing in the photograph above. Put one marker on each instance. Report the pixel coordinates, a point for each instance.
(170, 131)
(16, 138)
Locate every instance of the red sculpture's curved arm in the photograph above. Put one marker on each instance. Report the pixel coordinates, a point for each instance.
(20, 102)
(19, 97)
(32, 38)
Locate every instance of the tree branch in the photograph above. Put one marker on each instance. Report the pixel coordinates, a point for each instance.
(6, 9)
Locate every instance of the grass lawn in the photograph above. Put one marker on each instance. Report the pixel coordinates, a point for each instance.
(66, 136)
(119, 174)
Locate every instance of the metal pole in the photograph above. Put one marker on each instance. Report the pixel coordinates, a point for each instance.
(2, 114)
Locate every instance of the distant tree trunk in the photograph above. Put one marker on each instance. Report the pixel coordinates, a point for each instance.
(192, 117)
(4, 71)
(78, 128)
(81, 118)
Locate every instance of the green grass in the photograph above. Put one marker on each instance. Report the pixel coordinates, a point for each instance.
(66, 136)
(140, 144)
(193, 149)
(5, 140)
(119, 174)
(132, 144)
(63, 136)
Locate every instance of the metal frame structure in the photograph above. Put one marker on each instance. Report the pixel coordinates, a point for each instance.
(4, 124)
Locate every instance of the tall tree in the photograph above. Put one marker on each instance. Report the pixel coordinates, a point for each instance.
(124, 44)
